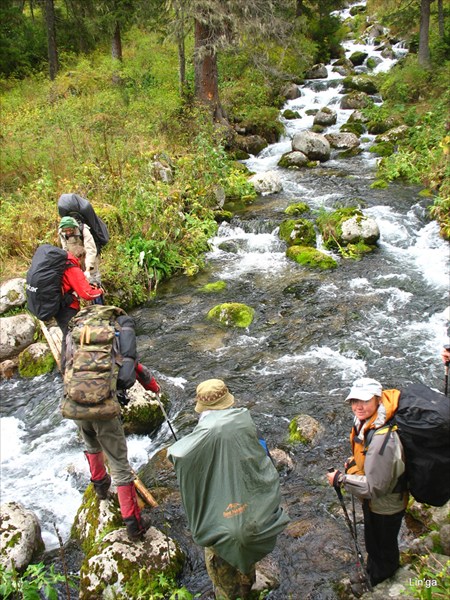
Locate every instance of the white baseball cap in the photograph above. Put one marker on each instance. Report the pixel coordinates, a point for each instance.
(365, 389)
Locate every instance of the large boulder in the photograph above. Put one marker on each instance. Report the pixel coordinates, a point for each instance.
(314, 145)
(16, 334)
(360, 229)
(20, 535)
(12, 294)
(266, 183)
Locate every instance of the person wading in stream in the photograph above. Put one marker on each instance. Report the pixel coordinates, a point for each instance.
(230, 490)
(375, 474)
(101, 365)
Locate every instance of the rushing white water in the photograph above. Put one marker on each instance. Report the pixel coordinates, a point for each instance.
(402, 296)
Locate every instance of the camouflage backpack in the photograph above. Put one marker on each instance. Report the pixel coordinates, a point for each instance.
(92, 362)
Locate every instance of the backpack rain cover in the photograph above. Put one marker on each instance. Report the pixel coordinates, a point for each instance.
(43, 281)
(74, 205)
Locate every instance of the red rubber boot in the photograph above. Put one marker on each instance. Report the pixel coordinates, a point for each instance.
(99, 476)
(131, 513)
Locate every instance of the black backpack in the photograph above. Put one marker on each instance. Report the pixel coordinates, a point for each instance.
(422, 421)
(43, 282)
(72, 205)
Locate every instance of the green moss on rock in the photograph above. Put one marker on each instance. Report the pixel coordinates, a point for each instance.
(330, 225)
(383, 149)
(232, 314)
(31, 365)
(310, 257)
(215, 286)
(297, 209)
(298, 232)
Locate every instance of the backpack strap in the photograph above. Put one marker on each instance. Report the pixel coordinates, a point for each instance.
(389, 426)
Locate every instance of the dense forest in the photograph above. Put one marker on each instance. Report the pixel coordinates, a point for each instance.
(137, 106)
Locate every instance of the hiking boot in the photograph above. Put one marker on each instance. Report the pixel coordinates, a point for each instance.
(101, 486)
(136, 528)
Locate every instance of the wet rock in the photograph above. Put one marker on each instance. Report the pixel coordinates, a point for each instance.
(291, 114)
(251, 144)
(12, 294)
(358, 58)
(267, 183)
(20, 535)
(36, 360)
(394, 134)
(16, 333)
(444, 538)
(293, 160)
(282, 460)
(214, 286)
(318, 71)
(9, 367)
(297, 209)
(325, 117)
(314, 145)
(304, 429)
(354, 100)
(360, 84)
(291, 92)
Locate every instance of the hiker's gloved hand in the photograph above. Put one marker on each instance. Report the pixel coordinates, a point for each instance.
(146, 380)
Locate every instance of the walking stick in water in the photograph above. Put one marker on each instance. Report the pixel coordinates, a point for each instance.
(161, 406)
(360, 559)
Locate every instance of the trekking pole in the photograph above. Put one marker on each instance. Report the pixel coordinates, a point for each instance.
(161, 405)
(360, 561)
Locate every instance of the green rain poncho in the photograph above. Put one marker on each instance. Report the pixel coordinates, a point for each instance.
(229, 487)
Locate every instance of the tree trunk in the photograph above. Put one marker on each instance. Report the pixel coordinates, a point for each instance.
(116, 44)
(441, 19)
(424, 34)
(53, 63)
(206, 71)
(181, 49)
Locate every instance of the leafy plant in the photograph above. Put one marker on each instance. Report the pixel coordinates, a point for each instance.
(159, 587)
(35, 580)
(433, 579)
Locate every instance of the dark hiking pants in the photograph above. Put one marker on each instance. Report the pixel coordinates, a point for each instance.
(381, 538)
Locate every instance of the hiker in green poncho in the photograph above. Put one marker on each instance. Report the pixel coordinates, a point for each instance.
(230, 490)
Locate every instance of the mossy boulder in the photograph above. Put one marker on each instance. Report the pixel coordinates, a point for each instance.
(213, 287)
(356, 128)
(330, 225)
(358, 58)
(293, 160)
(296, 209)
(142, 414)
(116, 565)
(290, 114)
(354, 100)
(232, 314)
(382, 149)
(310, 257)
(360, 83)
(20, 535)
(36, 360)
(297, 232)
(304, 429)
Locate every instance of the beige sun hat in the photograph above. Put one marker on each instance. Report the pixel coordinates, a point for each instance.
(213, 394)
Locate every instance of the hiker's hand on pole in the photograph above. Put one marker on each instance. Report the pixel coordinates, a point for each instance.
(446, 355)
(334, 477)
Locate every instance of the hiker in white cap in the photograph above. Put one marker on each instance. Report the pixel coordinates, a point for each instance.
(374, 474)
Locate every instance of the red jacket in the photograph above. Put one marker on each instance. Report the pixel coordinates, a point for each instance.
(75, 281)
